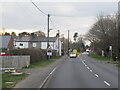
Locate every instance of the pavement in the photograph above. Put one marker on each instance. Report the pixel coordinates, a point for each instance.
(84, 72)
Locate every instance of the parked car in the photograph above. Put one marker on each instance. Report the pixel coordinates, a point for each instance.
(73, 55)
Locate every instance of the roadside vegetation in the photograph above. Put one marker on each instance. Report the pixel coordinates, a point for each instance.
(97, 57)
(9, 80)
(0, 81)
(118, 65)
(101, 58)
(43, 63)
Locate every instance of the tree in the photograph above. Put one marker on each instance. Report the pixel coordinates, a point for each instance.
(75, 36)
(6, 33)
(13, 34)
(80, 43)
(39, 33)
(24, 34)
(103, 34)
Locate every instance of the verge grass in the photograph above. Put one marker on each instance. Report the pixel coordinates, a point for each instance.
(43, 63)
(9, 80)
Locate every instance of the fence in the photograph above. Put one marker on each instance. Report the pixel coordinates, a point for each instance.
(16, 62)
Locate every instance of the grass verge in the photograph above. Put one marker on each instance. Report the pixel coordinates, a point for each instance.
(43, 63)
(0, 81)
(9, 80)
(118, 65)
(97, 57)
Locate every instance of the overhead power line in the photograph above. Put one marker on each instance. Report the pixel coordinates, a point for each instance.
(52, 23)
(64, 16)
(51, 14)
(38, 8)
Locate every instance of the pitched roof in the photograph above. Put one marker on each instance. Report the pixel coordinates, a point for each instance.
(4, 41)
(35, 39)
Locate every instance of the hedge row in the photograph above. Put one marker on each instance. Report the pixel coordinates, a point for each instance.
(35, 55)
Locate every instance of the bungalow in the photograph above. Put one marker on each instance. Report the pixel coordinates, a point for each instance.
(37, 43)
(6, 43)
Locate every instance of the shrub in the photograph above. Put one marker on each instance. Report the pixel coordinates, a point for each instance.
(35, 54)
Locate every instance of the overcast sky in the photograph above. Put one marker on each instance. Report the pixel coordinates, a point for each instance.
(79, 16)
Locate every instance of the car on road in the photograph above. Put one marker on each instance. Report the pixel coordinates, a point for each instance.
(73, 55)
(86, 53)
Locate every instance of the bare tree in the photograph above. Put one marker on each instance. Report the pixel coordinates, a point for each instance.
(104, 33)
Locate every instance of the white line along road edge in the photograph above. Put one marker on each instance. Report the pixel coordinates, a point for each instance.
(47, 77)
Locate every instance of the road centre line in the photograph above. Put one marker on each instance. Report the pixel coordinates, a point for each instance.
(47, 77)
(96, 75)
(88, 68)
(91, 71)
(106, 83)
(84, 64)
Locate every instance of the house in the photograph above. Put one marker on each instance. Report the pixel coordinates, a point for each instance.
(37, 43)
(6, 43)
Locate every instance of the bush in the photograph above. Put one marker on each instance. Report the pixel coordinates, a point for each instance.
(35, 55)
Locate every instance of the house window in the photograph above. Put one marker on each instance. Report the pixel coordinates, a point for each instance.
(21, 44)
(34, 44)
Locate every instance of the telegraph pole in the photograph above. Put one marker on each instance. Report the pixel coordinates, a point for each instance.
(63, 44)
(58, 41)
(48, 31)
(68, 42)
(48, 56)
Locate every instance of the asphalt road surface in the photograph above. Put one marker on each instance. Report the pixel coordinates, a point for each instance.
(83, 72)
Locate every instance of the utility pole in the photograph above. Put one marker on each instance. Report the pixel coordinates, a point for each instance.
(58, 42)
(68, 42)
(94, 43)
(63, 44)
(48, 31)
(48, 56)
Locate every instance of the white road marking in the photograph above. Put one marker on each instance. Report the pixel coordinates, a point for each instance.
(84, 63)
(91, 71)
(53, 71)
(47, 78)
(96, 75)
(88, 68)
(107, 83)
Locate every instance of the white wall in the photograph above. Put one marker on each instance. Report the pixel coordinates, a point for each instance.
(44, 45)
(25, 44)
(56, 46)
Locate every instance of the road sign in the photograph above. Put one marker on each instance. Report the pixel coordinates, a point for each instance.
(110, 48)
(49, 53)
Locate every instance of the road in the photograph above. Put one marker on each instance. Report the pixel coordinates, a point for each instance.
(83, 72)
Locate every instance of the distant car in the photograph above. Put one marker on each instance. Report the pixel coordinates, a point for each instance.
(85, 53)
(73, 55)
